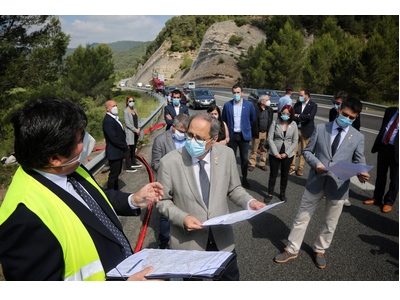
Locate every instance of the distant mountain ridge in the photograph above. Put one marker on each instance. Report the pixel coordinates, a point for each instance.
(115, 46)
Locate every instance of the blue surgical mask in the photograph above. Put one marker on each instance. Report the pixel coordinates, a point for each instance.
(336, 106)
(237, 97)
(285, 118)
(175, 101)
(194, 148)
(301, 99)
(131, 104)
(343, 121)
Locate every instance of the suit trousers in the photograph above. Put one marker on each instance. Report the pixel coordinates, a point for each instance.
(262, 139)
(309, 202)
(274, 164)
(386, 161)
(130, 158)
(115, 170)
(163, 236)
(303, 141)
(234, 142)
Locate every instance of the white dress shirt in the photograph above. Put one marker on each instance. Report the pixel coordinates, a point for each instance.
(116, 119)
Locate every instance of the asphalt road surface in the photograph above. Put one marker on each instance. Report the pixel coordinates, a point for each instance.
(365, 246)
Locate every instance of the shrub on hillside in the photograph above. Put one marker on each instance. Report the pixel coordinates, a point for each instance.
(235, 40)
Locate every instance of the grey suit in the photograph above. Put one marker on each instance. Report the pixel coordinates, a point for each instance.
(318, 150)
(130, 129)
(182, 197)
(276, 138)
(163, 144)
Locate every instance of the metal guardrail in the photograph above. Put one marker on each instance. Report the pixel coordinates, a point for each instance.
(96, 163)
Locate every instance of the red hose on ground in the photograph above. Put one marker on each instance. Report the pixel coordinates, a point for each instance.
(147, 217)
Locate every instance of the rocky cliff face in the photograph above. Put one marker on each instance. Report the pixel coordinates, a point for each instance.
(213, 64)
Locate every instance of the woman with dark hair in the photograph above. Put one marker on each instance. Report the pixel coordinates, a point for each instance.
(132, 132)
(223, 135)
(282, 140)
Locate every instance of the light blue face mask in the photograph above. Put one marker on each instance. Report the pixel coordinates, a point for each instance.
(194, 148)
(131, 104)
(343, 121)
(336, 106)
(301, 99)
(285, 118)
(175, 101)
(237, 97)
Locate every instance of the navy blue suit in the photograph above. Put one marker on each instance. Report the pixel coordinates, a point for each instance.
(116, 147)
(170, 110)
(306, 118)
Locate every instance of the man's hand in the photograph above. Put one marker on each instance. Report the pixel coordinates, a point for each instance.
(363, 177)
(169, 117)
(319, 169)
(256, 205)
(139, 276)
(191, 223)
(148, 194)
(138, 131)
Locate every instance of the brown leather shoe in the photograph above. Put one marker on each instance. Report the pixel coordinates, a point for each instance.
(291, 171)
(386, 208)
(299, 172)
(264, 168)
(259, 151)
(251, 168)
(372, 201)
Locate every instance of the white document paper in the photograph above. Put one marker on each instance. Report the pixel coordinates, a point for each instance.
(237, 216)
(345, 170)
(171, 263)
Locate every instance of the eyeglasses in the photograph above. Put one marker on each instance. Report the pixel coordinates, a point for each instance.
(189, 136)
(131, 101)
(176, 98)
(285, 114)
(347, 116)
(338, 103)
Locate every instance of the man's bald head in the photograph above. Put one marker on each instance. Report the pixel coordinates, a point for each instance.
(110, 104)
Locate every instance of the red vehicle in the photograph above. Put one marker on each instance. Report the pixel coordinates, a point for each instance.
(158, 85)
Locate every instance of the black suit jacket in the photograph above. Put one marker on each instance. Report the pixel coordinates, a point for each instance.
(169, 109)
(390, 111)
(116, 145)
(29, 250)
(306, 117)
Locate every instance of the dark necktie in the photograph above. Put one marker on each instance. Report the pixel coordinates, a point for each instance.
(204, 182)
(100, 214)
(336, 141)
(390, 131)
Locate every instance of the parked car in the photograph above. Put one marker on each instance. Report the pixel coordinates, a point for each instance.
(274, 98)
(189, 85)
(201, 98)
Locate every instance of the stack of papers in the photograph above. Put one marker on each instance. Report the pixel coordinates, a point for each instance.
(173, 263)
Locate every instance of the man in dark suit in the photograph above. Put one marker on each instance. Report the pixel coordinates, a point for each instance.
(171, 111)
(239, 115)
(387, 146)
(304, 114)
(56, 223)
(116, 145)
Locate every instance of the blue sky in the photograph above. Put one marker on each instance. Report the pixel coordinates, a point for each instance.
(85, 29)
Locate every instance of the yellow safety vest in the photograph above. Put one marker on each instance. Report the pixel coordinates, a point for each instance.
(81, 259)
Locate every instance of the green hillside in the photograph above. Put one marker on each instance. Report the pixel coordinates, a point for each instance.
(115, 47)
(125, 59)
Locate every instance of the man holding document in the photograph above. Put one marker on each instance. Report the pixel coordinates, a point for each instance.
(197, 180)
(330, 143)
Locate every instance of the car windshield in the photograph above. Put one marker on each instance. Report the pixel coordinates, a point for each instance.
(262, 92)
(202, 93)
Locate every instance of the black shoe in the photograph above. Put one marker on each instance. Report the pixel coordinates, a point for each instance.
(283, 197)
(268, 199)
(245, 183)
(163, 246)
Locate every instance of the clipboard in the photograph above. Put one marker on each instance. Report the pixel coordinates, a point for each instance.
(117, 274)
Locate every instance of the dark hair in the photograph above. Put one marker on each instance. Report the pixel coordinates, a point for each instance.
(340, 95)
(213, 107)
(127, 99)
(306, 92)
(237, 86)
(45, 127)
(352, 103)
(289, 107)
(177, 92)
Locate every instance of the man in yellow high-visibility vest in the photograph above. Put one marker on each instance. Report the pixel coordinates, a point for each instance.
(56, 223)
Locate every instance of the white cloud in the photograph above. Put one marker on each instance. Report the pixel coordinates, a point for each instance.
(108, 29)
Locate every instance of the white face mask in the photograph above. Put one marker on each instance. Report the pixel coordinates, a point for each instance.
(88, 145)
(214, 116)
(179, 135)
(114, 110)
(268, 103)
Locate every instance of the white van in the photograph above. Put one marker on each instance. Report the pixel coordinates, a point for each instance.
(189, 85)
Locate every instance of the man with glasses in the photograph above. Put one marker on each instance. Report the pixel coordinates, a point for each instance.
(346, 144)
(171, 111)
(197, 180)
(339, 98)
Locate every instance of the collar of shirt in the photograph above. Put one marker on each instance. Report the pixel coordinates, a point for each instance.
(335, 131)
(116, 119)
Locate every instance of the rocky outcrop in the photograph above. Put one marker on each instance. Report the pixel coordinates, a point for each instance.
(213, 64)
